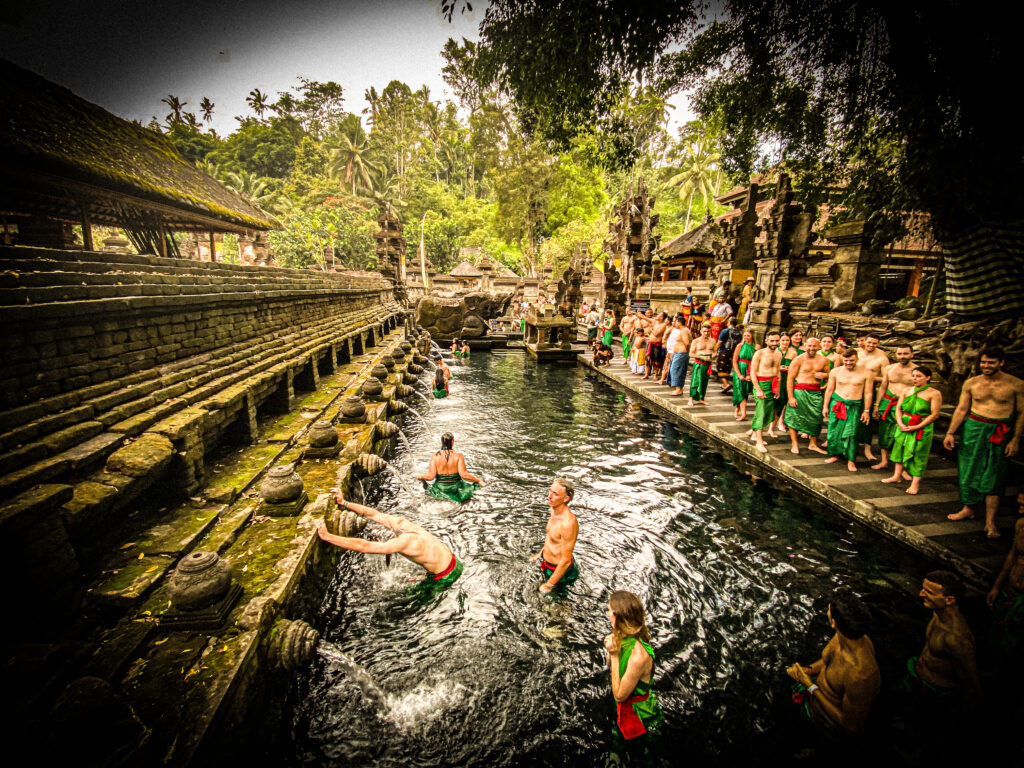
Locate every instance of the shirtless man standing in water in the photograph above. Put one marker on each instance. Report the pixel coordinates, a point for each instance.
(556, 557)
(840, 687)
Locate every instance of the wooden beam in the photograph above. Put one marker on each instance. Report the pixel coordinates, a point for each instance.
(86, 225)
(213, 247)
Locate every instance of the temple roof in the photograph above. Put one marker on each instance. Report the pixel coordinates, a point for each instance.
(61, 152)
(465, 269)
(698, 240)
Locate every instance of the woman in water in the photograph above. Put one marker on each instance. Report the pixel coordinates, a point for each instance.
(631, 661)
(456, 348)
(440, 383)
(465, 348)
(448, 471)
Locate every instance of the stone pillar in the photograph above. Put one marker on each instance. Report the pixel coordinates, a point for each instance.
(856, 263)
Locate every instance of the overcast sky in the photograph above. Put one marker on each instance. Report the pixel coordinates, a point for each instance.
(126, 55)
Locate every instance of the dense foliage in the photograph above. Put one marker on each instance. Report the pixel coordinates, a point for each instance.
(470, 175)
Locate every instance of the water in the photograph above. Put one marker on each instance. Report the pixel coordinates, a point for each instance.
(401, 481)
(422, 396)
(405, 440)
(734, 574)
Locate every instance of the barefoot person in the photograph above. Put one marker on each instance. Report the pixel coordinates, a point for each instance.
(764, 371)
(626, 329)
(413, 542)
(656, 347)
(874, 360)
(631, 662)
(847, 404)
(1006, 599)
(557, 563)
(782, 397)
(448, 471)
(945, 673)
(896, 378)
(986, 410)
(678, 347)
(701, 352)
(741, 384)
(804, 414)
(916, 412)
(836, 692)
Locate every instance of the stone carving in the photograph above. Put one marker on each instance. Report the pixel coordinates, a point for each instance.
(370, 463)
(371, 388)
(199, 580)
(386, 429)
(293, 644)
(380, 371)
(353, 410)
(391, 251)
(403, 390)
(282, 491)
(397, 406)
(323, 435)
(466, 318)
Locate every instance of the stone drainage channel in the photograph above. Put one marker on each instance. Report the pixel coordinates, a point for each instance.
(196, 659)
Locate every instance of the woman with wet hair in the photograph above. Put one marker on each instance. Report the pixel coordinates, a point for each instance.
(631, 661)
(440, 383)
(448, 471)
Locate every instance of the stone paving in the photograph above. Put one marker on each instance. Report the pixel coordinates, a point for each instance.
(917, 521)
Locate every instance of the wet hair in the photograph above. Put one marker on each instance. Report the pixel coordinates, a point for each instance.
(950, 583)
(849, 352)
(567, 486)
(439, 378)
(925, 370)
(630, 620)
(852, 618)
(994, 352)
(447, 441)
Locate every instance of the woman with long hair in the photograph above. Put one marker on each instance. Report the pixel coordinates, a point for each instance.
(631, 661)
(448, 471)
(440, 383)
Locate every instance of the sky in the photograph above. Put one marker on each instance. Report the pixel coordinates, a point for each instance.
(126, 55)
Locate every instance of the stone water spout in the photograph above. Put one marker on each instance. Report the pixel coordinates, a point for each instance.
(293, 644)
(409, 378)
(415, 369)
(370, 463)
(397, 406)
(403, 390)
(387, 429)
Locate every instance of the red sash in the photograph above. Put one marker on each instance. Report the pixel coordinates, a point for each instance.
(808, 387)
(890, 401)
(698, 361)
(1002, 428)
(913, 419)
(839, 409)
(629, 721)
(446, 571)
(775, 384)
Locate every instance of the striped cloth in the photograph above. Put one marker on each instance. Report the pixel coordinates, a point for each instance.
(984, 269)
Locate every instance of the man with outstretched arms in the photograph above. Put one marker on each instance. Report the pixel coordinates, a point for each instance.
(895, 381)
(764, 373)
(412, 541)
(837, 691)
(945, 673)
(806, 396)
(874, 359)
(701, 352)
(557, 563)
(847, 403)
(988, 405)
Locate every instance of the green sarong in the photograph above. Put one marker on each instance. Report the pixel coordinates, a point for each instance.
(452, 487)
(939, 694)
(843, 418)
(911, 449)
(741, 388)
(430, 585)
(439, 393)
(809, 710)
(626, 347)
(571, 573)
(642, 704)
(887, 429)
(522, 325)
(1008, 624)
(782, 398)
(764, 412)
(981, 458)
(606, 337)
(699, 379)
(806, 417)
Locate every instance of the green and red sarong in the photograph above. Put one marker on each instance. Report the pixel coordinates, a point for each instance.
(981, 458)
(640, 712)
(764, 410)
(699, 378)
(571, 573)
(806, 416)
(911, 449)
(741, 388)
(451, 487)
(843, 418)
(431, 584)
(887, 428)
(782, 395)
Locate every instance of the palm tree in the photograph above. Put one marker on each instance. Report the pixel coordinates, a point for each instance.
(176, 106)
(207, 108)
(258, 101)
(698, 174)
(348, 148)
(189, 119)
(251, 187)
(373, 99)
(383, 185)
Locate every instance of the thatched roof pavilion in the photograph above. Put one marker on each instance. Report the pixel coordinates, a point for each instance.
(69, 161)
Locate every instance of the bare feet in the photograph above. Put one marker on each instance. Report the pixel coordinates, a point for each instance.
(851, 466)
(880, 465)
(906, 475)
(913, 490)
(794, 450)
(963, 514)
(690, 403)
(761, 447)
(893, 479)
(677, 393)
(817, 448)
(991, 533)
(831, 459)
(868, 454)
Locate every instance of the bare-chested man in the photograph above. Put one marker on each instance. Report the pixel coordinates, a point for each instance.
(847, 403)
(946, 669)
(413, 542)
(656, 346)
(874, 359)
(701, 352)
(895, 381)
(626, 328)
(764, 373)
(806, 396)
(1006, 598)
(557, 563)
(840, 687)
(988, 405)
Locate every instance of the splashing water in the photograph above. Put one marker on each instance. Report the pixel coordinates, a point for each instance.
(401, 480)
(355, 673)
(405, 441)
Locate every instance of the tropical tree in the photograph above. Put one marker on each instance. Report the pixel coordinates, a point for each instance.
(373, 102)
(258, 101)
(699, 174)
(206, 106)
(251, 187)
(349, 151)
(176, 106)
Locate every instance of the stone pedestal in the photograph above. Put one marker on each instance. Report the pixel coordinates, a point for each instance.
(856, 264)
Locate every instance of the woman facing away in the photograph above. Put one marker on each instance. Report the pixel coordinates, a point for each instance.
(631, 661)
(440, 383)
(448, 471)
